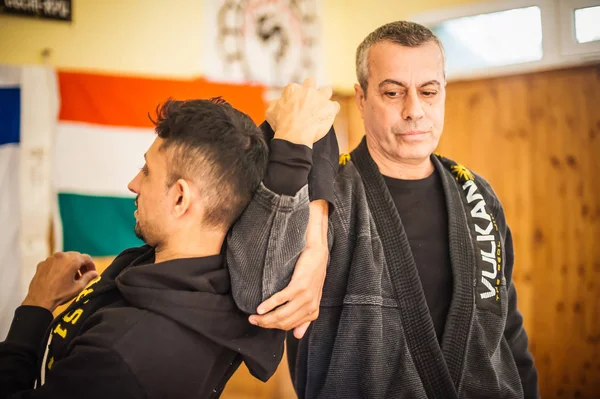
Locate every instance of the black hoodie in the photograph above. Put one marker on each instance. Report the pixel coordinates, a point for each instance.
(141, 330)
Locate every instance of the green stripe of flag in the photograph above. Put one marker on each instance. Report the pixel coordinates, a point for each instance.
(96, 225)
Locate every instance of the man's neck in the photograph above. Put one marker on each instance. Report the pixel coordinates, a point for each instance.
(402, 169)
(190, 246)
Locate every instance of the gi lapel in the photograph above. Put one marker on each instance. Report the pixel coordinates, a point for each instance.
(462, 258)
(414, 313)
(476, 256)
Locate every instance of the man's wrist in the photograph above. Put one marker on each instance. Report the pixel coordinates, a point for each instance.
(294, 137)
(32, 301)
(29, 326)
(289, 167)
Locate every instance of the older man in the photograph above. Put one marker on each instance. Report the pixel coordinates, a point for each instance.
(418, 301)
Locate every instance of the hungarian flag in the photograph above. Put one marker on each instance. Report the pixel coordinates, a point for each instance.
(102, 135)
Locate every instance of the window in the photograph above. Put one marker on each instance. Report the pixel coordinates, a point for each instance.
(515, 36)
(493, 39)
(587, 24)
(580, 27)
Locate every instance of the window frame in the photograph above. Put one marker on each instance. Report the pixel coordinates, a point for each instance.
(559, 44)
(569, 43)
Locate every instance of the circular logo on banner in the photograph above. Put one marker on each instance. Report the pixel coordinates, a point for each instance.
(270, 41)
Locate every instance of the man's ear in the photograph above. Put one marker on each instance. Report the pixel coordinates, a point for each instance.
(182, 197)
(359, 97)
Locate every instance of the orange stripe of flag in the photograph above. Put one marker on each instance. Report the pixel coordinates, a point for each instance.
(126, 101)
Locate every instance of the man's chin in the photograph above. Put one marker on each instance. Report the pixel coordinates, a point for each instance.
(416, 153)
(138, 232)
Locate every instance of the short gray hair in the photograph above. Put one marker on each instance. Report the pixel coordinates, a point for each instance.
(404, 33)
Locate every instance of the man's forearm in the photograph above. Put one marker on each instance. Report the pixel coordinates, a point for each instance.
(294, 161)
(264, 244)
(19, 353)
(318, 220)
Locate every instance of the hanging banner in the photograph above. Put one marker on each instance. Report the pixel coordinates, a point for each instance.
(100, 145)
(272, 42)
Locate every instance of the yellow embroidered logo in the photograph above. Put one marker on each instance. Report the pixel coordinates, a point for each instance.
(488, 241)
(462, 173)
(344, 158)
(73, 316)
(94, 281)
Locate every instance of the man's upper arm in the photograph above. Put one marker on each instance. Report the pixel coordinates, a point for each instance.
(264, 244)
(514, 331)
(266, 241)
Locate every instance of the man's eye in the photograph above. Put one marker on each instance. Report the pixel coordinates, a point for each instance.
(392, 94)
(429, 93)
(144, 170)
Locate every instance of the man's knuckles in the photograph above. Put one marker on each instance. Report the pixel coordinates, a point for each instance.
(306, 297)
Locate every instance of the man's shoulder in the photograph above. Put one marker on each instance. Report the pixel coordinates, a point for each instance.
(349, 191)
(134, 333)
(462, 174)
(124, 259)
(348, 176)
(150, 344)
(466, 177)
(109, 326)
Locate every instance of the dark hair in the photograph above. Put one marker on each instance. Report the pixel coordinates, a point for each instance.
(218, 147)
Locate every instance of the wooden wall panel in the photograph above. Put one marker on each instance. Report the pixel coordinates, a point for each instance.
(536, 139)
(348, 124)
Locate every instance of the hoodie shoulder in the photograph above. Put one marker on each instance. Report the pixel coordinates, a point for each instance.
(124, 259)
(133, 253)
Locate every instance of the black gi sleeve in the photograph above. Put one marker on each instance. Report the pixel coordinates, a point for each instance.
(514, 331)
